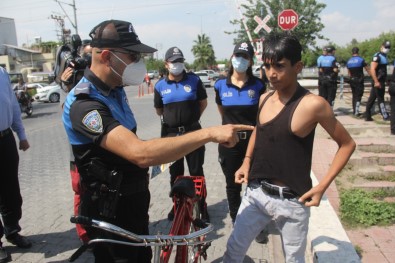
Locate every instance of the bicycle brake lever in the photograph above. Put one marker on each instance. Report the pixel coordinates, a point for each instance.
(83, 220)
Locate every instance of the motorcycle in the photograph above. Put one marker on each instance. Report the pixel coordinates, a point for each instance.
(25, 102)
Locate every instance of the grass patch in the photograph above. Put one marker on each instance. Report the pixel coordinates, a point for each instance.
(361, 208)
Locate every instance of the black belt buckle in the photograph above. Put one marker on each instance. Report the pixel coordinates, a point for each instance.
(282, 192)
(181, 129)
(242, 135)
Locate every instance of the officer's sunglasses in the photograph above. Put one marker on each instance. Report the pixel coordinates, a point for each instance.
(134, 56)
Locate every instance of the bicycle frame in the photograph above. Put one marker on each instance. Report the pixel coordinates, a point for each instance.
(184, 204)
(157, 241)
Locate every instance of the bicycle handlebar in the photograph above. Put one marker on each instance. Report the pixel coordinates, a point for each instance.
(139, 240)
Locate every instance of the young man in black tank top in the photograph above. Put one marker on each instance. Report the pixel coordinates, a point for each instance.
(278, 159)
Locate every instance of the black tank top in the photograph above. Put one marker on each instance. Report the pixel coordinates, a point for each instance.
(279, 154)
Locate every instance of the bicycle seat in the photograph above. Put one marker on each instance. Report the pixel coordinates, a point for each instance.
(184, 186)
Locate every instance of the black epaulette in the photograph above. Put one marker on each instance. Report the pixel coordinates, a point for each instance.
(82, 88)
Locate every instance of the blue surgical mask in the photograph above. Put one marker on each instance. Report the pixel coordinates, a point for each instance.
(240, 64)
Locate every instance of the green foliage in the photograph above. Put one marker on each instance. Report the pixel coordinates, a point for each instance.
(203, 52)
(308, 29)
(358, 207)
(153, 64)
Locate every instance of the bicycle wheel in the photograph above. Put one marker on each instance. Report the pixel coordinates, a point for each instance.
(193, 251)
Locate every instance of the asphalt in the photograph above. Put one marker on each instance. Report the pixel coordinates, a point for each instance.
(48, 198)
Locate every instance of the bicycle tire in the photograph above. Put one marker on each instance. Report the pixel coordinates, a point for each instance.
(193, 250)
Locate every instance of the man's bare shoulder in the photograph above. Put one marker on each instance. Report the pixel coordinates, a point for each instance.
(314, 106)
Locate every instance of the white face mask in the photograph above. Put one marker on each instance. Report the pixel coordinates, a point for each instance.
(133, 74)
(176, 68)
(385, 50)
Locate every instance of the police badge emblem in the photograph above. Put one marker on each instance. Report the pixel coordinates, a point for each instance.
(251, 93)
(93, 121)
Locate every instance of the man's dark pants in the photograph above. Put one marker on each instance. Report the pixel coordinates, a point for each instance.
(375, 93)
(10, 196)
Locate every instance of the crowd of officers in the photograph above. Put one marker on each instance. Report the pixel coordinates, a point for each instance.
(328, 70)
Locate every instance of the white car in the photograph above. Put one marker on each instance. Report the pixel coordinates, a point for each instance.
(153, 74)
(213, 75)
(204, 77)
(46, 92)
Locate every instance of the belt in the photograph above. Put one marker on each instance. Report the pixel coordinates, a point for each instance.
(5, 133)
(183, 129)
(243, 135)
(134, 188)
(272, 189)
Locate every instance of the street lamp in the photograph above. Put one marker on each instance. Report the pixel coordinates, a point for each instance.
(201, 21)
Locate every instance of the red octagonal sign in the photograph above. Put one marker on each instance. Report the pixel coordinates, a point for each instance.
(288, 19)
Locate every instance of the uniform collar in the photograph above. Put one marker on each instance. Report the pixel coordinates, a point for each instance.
(251, 80)
(102, 87)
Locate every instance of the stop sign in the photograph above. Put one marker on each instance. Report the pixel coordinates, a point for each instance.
(288, 19)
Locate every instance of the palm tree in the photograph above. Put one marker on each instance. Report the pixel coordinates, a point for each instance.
(203, 52)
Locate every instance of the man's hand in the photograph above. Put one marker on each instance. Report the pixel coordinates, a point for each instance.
(24, 145)
(377, 85)
(226, 135)
(312, 197)
(241, 175)
(67, 73)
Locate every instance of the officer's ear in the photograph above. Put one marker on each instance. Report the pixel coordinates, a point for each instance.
(104, 55)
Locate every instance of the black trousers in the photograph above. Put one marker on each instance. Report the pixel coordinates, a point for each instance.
(357, 89)
(231, 160)
(132, 215)
(10, 195)
(391, 91)
(328, 90)
(378, 94)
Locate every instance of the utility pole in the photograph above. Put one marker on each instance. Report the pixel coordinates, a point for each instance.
(75, 25)
(62, 34)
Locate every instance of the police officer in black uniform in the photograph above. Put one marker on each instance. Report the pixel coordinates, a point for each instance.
(329, 70)
(112, 161)
(237, 97)
(324, 53)
(391, 91)
(180, 99)
(355, 66)
(378, 71)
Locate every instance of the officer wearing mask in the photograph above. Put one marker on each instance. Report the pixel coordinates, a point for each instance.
(180, 99)
(112, 161)
(355, 66)
(329, 69)
(378, 71)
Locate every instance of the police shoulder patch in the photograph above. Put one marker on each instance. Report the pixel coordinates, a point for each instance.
(93, 121)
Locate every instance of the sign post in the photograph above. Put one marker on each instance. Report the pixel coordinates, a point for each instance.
(288, 19)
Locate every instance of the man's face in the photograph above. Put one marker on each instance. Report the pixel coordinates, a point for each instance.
(282, 74)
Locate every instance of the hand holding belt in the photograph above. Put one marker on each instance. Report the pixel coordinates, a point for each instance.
(272, 189)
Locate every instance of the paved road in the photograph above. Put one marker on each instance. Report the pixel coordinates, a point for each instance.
(46, 188)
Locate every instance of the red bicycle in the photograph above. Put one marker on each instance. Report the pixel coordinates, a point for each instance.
(187, 234)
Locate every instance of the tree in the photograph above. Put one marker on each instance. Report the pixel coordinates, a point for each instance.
(203, 52)
(307, 31)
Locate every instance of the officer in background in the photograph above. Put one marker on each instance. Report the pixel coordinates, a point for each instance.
(112, 161)
(329, 70)
(324, 53)
(355, 66)
(391, 91)
(378, 71)
(180, 99)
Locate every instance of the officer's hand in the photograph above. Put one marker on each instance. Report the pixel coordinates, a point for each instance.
(226, 135)
(24, 145)
(377, 84)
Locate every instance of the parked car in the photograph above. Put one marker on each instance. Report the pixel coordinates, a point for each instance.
(46, 92)
(213, 75)
(153, 74)
(204, 77)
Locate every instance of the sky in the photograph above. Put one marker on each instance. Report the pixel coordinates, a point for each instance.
(166, 23)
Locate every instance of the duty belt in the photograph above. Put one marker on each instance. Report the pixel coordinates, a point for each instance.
(183, 129)
(271, 189)
(5, 133)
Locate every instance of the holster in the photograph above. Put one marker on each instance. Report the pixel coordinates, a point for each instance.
(105, 184)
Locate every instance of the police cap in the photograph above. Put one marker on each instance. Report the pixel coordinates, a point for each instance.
(386, 44)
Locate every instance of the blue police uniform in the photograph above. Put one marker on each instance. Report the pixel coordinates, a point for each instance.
(328, 79)
(181, 113)
(355, 65)
(381, 73)
(319, 74)
(91, 110)
(239, 106)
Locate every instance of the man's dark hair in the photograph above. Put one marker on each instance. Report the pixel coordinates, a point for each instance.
(278, 46)
(355, 50)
